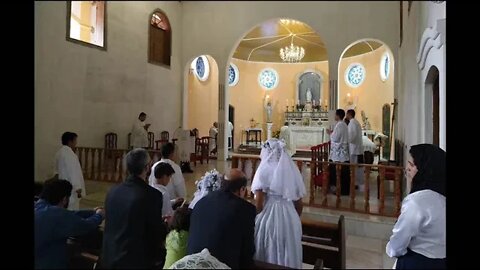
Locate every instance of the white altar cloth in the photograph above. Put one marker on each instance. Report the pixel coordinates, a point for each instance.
(303, 137)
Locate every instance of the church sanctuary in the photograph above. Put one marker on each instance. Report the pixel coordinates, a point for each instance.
(240, 134)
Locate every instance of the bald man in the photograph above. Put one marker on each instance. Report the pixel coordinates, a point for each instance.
(224, 223)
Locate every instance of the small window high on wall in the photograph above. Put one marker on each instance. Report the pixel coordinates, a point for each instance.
(160, 39)
(86, 23)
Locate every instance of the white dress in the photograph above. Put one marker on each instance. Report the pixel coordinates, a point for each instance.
(278, 229)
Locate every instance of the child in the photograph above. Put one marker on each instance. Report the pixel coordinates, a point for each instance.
(176, 242)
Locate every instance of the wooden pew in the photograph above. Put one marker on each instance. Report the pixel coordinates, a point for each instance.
(325, 241)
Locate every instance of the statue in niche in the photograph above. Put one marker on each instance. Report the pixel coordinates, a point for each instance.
(366, 123)
(308, 95)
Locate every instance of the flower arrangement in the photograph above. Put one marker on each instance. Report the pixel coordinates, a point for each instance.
(211, 181)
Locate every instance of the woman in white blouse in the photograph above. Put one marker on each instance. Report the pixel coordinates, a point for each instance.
(418, 239)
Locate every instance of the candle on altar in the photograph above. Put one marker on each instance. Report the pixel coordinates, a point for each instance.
(313, 102)
(320, 101)
(298, 101)
(286, 102)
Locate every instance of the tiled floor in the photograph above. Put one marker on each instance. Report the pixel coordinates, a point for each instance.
(362, 252)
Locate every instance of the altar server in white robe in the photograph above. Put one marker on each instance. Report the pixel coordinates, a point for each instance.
(356, 147)
(67, 167)
(140, 132)
(279, 188)
(230, 134)
(339, 152)
(212, 133)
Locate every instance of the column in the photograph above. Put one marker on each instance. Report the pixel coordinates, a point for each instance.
(269, 130)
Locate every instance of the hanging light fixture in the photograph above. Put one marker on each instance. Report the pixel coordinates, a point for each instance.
(292, 53)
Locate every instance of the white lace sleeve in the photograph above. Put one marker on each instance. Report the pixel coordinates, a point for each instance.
(202, 260)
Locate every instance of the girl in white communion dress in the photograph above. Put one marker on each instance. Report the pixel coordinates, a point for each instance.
(279, 188)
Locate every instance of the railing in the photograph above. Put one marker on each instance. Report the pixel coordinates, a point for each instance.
(100, 164)
(249, 164)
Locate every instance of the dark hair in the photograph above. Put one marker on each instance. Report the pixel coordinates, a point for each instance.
(351, 112)
(142, 114)
(167, 150)
(181, 219)
(430, 161)
(68, 137)
(340, 113)
(137, 160)
(162, 169)
(55, 190)
(234, 185)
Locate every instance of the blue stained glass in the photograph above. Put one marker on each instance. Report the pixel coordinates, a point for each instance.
(356, 75)
(200, 66)
(387, 66)
(268, 79)
(231, 74)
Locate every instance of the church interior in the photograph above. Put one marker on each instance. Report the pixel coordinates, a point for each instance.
(258, 70)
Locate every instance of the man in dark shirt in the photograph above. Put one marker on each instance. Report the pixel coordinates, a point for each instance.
(224, 223)
(54, 224)
(135, 233)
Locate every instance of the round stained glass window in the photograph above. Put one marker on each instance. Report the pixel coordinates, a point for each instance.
(355, 75)
(268, 79)
(201, 67)
(232, 75)
(385, 66)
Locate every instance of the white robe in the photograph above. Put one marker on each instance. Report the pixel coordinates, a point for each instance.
(339, 143)
(212, 133)
(139, 135)
(67, 166)
(167, 209)
(356, 148)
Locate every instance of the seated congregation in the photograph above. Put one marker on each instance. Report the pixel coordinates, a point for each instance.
(149, 224)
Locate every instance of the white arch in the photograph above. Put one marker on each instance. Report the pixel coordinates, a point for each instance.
(340, 75)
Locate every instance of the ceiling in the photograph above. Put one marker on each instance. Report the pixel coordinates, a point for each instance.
(264, 42)
(362, 47)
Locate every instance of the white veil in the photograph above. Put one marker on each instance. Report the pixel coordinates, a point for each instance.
(277, 174)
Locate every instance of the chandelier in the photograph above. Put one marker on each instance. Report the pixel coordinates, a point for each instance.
(292, 53)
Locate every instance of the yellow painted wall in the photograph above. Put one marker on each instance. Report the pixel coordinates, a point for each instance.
(247, 96)
(203, 100)
(373, 93)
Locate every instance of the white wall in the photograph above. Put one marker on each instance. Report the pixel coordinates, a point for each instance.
(92, 92)
(412, 95)
(215, 28)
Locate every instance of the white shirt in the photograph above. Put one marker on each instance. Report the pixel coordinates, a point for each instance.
(355, 137)
(176, 188)
(339, 143)
(421, 226)
(67, 166)
(230, 129)
(167, 209)
(139, 134)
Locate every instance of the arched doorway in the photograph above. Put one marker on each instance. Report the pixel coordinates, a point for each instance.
(432, 106)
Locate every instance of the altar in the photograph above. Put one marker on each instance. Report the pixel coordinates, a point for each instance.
(303, 137)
